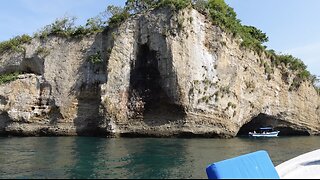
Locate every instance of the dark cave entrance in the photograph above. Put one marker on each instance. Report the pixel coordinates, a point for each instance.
(146, 89)
(263, 120)
(289, 131)
(88, 117)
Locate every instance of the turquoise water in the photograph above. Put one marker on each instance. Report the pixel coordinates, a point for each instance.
(92, 157)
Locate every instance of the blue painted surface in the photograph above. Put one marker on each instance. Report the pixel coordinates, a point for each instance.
(257, 165)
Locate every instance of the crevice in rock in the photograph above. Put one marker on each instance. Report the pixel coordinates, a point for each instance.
(3, 100)
(264, 120)
(88, 116)
(148, 100)
(4, 120)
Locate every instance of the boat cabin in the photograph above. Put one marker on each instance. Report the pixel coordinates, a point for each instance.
(264, 132)
(265, 129)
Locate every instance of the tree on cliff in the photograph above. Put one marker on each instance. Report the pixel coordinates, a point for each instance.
(140, 5)
(225, 17)
(220, 13)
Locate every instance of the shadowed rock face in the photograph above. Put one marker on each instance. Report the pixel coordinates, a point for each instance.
(146, 90)
(160, 74)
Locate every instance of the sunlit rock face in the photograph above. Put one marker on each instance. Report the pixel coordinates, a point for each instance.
(58, 92)
(161, 73)
(177, 74)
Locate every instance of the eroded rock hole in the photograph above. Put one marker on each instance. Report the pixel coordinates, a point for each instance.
(4, 120)
(33, 65)
(3, 100)
(148, 100)
(263, 120)
(88, 104)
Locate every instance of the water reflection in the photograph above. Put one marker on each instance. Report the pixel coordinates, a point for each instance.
(85, 154)
(143, 158)
(156, 158)
(34, 157)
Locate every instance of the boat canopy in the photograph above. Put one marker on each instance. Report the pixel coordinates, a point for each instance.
(265, 128)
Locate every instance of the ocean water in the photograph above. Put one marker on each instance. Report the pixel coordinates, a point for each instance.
(139, 158)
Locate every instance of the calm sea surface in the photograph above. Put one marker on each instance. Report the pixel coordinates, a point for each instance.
(91, 157)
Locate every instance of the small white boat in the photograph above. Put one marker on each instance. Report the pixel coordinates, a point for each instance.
(264, 132)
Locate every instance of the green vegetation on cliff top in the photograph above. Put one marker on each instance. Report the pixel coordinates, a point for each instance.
(63, 27)
(225, 17)
(8, 77)
(217, 10)
(14, 44)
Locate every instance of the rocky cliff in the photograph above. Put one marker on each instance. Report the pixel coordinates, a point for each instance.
(160, 73)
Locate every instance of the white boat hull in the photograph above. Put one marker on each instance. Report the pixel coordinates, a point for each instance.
(305, 166)
(269, 134)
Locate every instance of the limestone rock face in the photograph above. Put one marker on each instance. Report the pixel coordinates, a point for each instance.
(175, 73)
(161, 73)
(58, 93)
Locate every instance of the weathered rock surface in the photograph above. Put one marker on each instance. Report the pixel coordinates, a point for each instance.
(60, 94)
(162, 73)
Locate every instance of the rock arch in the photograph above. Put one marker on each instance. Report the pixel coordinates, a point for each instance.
(264, 120)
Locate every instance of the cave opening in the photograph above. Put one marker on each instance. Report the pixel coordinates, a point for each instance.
(156, 107)
(4, 120)
(264, 120)
(33, 65)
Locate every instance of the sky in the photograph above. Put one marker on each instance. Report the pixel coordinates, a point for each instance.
(292, 25)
